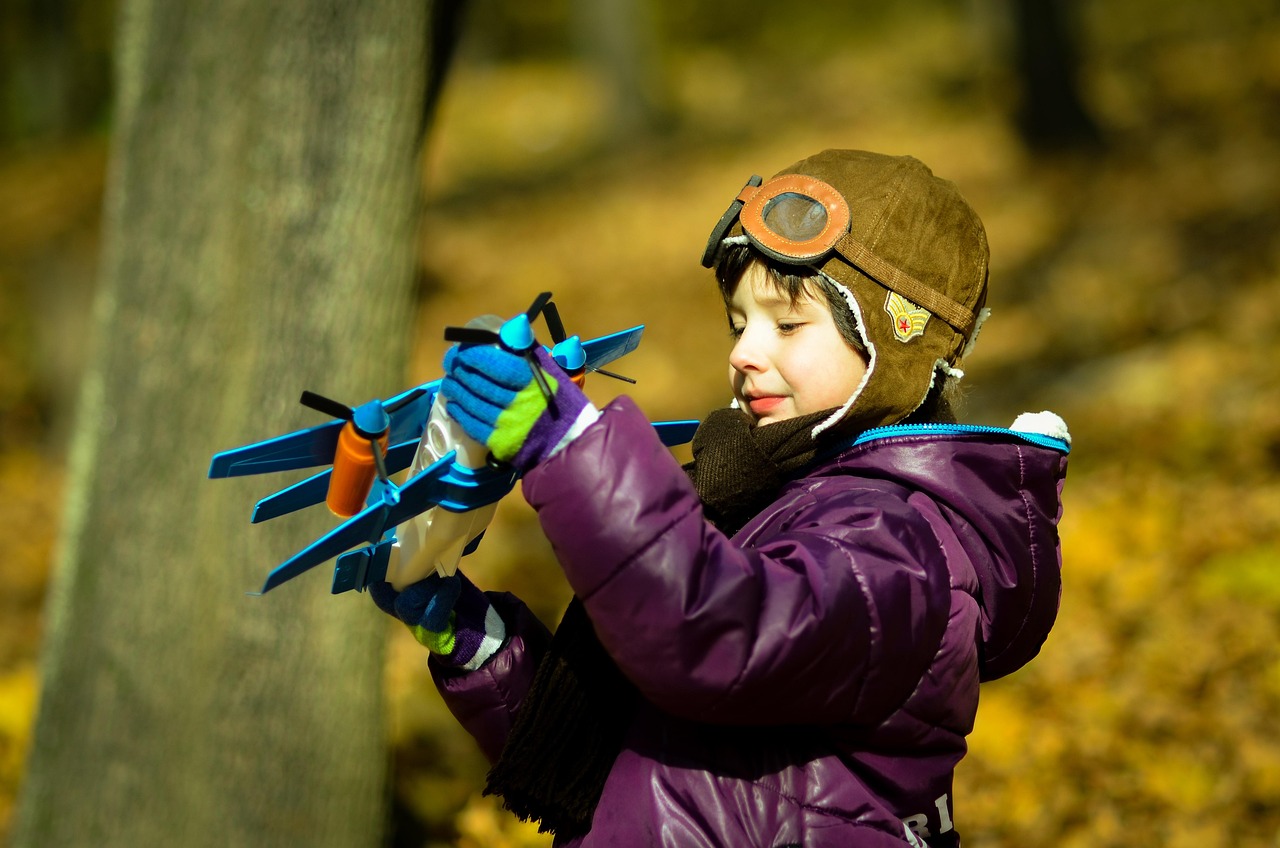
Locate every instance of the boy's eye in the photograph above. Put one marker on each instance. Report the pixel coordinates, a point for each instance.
(787, 327)
(736, 332)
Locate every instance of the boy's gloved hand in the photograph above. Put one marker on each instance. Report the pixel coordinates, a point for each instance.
(492, 393)
(448, 615)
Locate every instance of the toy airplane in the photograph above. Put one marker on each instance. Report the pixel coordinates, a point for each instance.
(451, 491)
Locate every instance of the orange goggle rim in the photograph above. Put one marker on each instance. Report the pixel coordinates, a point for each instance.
(752, 205)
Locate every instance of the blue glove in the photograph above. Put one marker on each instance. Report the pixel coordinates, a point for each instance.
(492, 393)
(448, 615)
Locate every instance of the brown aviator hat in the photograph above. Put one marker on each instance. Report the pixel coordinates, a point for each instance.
(902, 246)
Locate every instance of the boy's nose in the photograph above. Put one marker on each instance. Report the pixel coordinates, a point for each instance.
(746, 354)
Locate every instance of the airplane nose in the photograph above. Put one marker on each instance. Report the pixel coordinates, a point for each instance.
(371, 420)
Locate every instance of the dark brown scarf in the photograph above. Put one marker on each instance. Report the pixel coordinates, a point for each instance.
(572, 723)
(738, 469)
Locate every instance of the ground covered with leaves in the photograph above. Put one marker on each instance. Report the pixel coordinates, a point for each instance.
(1134, 290)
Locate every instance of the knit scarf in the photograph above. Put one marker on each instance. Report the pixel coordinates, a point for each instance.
(571, 725)
(738, 469)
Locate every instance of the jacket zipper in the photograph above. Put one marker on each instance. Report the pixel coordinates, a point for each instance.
(892, 430)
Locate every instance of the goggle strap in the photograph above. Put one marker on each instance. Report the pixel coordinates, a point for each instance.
(902, 283)
(727, 220)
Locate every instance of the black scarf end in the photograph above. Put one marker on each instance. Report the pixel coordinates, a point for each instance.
(567, 821)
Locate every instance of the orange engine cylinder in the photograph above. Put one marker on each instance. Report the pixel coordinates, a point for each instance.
(354, 471)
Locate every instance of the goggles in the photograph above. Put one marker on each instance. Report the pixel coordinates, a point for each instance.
(792, 218)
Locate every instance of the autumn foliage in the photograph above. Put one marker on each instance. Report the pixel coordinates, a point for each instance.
(1135, 290)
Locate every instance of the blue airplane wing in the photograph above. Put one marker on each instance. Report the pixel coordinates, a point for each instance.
(313, 490)
(363, 527)
(675, 433)
(357, 569)
(408, 422)
(301, 449)
(307, 493)
(443, 483)
(602, 351)
(316, 445)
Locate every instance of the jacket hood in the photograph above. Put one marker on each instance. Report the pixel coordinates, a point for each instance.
(1001, 492)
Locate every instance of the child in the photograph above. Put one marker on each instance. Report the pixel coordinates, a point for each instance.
(780, 645)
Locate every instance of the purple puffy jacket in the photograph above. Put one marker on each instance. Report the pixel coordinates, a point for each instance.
(809, 682)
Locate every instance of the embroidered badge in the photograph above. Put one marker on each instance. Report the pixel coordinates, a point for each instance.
(908, 319)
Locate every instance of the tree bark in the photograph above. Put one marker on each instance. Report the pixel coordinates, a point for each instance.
(258, 240)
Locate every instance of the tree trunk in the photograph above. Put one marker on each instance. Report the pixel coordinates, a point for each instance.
(54, 62)
(617, 38)
(258, 240)
(1051, 113)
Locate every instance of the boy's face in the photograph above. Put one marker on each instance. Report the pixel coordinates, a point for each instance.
(788, 359)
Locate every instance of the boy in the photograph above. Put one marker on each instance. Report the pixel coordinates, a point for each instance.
(782, 644)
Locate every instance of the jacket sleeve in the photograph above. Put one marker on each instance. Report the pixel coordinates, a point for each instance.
(832, 618)
(485, 701)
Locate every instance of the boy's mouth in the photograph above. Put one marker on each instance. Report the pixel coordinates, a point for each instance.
(763, 405)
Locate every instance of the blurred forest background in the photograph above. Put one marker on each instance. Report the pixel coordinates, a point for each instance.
(587, 148)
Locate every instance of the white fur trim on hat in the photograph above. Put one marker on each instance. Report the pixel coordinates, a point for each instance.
(866, 343)
(979, 320)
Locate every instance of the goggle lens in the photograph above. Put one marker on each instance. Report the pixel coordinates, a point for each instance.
(794, 216)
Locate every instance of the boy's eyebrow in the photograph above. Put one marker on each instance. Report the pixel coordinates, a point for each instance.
(799, 306)
(775, 296)
(778, 297)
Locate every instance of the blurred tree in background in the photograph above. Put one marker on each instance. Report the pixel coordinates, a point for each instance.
(55, 62)
(1051, 113)
(1135, 289)
(259, 230)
